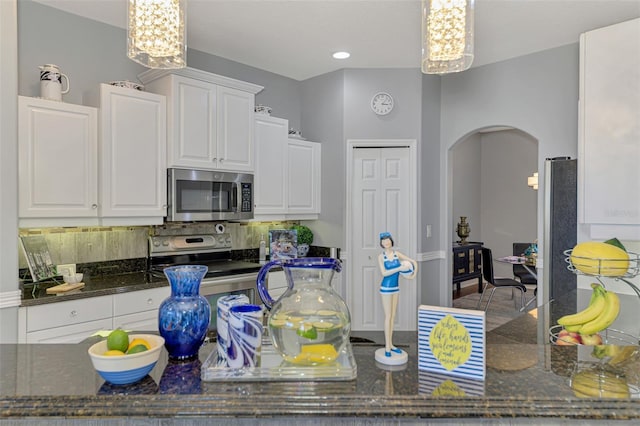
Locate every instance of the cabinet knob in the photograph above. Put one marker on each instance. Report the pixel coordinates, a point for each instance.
(164, 206)
(149, 301)
(73, 313)
(94, 206)
(222, 160)
(214, 159)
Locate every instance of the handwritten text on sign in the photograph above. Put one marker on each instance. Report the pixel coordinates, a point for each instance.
(451, 341)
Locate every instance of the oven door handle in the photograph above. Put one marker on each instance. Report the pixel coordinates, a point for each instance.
(212, 286)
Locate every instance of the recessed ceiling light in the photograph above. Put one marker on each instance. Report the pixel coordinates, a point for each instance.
(341, 55)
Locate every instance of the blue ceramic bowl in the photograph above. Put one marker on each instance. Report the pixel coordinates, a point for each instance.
(126, 369)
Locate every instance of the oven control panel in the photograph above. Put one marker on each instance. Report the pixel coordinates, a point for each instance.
(167, 244)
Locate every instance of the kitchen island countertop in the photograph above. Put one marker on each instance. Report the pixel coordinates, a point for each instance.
(526, 378)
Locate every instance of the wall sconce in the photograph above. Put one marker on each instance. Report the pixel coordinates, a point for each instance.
(156, 35)
(447, 36)
(532, 181)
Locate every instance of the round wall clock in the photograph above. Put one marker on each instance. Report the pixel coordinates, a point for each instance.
(382, 103)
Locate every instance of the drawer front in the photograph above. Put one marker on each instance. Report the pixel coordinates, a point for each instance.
(139, 301)
(75, 333)
(68, 313)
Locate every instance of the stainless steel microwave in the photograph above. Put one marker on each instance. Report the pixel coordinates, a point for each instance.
(206, 195)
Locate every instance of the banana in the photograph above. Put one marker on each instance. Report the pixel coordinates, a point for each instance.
(602, 384)
(590, 313)
(606, 317)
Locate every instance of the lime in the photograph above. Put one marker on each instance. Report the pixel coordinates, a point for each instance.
(139, 341)
(113, 352)
(136, 349)
(307, 331)
(118, 340)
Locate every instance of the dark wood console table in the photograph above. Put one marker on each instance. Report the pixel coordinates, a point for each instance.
(467, 263)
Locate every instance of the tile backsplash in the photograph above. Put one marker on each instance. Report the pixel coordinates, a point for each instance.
(103, 244)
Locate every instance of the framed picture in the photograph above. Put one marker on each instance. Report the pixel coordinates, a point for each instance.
(38, 257)
(283, 244)
(451, 341)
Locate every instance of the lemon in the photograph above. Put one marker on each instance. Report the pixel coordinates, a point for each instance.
(322, 353)
(138, 341)
(118, 340)
(113, 352)
(323, 325)
(137, 349)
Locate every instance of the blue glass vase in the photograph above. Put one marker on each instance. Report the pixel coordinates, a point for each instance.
(183, 317)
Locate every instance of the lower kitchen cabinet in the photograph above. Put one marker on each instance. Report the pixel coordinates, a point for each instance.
(74, 320)
(138, 310)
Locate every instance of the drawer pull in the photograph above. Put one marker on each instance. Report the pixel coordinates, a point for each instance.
(149, 301)
(73, 314)
(461, 254)
(461, 271)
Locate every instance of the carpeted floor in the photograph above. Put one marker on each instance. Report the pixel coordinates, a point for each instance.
(502, 309)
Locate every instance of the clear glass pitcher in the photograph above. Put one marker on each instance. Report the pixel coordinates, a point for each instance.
(310, 323)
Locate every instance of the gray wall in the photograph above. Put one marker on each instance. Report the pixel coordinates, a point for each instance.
(466, 193)
(90, 52)
(537, 94)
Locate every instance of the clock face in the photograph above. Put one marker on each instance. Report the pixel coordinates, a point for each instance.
(382, 103)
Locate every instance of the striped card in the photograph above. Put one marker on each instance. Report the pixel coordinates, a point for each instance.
(452, 341)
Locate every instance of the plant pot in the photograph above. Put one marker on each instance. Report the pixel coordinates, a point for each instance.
(303, 250)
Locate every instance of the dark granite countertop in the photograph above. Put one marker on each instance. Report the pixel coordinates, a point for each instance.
(526, 378)
(94, 286)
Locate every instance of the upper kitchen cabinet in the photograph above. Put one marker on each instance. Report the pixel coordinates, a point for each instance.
(287, 173)
(132, 157)
(609, 133)
(210, 119)
(57, 163)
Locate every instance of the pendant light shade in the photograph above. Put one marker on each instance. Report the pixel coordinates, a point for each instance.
(447, 36)
(156, 36)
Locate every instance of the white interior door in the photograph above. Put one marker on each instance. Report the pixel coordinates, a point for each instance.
(382, 199)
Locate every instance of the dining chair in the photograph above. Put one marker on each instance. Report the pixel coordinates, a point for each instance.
(487, 273)
(520, 272)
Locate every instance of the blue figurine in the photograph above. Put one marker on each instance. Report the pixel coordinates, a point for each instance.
(392, 264)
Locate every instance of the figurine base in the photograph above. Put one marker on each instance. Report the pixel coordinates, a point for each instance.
(394, 359)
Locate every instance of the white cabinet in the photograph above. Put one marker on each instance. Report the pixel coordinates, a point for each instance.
(303, 168)
(133, 180)
(72, 321)
(608, 149)
(57, 162)
(138, 310)
(210, 119)
(277, 284)
(65, 322)
(288, 173)
(271, 175)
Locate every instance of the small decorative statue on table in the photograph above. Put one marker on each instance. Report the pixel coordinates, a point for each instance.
(392, 265)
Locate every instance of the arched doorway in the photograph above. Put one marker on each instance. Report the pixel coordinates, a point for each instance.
(488, 172)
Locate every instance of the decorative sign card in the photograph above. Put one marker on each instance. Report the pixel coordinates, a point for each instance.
(451, 341)
(283, 244)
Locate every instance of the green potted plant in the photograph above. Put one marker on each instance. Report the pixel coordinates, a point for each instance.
(305, 238)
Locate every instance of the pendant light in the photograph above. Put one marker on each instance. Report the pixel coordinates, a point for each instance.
(156, 36)
(447, 36)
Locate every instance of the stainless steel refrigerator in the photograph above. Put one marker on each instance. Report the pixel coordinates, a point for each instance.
(560, 225)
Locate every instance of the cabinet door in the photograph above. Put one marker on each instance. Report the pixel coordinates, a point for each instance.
(192, 123)
(132, 129)
(235, 130)
(608, 152)
(139, 301)
(142, 321)
(303, 159)
(271, 174)
(57, 160)
(69, 334)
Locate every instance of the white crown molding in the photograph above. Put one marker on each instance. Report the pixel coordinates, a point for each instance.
(154, 74)
(10, 299)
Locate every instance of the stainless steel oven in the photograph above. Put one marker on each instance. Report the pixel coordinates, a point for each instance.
(224, 276)
(208, 195)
